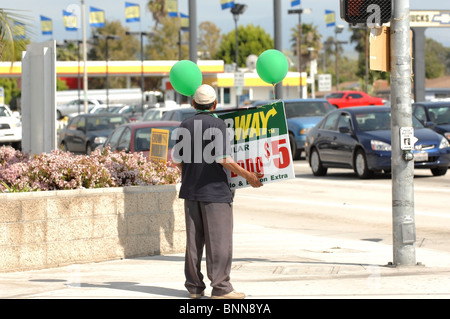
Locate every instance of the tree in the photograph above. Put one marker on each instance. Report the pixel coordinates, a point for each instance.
(158, 10)
(125, 48)
(164, 44)
(311, 38)
(437, 59)
(251, 40)
(209, 37)
(14, 35)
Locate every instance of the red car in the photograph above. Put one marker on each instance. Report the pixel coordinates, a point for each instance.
(352, 98)
(136, 136)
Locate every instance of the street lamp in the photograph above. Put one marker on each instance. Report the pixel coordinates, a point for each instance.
(106, 38)
(141, 34)
(237, 10)
(338, 29)
(299, 41)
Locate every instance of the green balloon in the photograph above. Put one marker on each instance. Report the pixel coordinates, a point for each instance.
(185, 77)
(272, 66)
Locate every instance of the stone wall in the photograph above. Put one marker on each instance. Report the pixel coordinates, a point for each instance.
(55, 228)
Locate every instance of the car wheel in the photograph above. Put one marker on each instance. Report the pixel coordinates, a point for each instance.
(360, 167)
(295, 151)
(439, 171)
(316, 164)
(88, 149)
(63, 147)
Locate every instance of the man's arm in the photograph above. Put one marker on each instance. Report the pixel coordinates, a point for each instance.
(251, 177)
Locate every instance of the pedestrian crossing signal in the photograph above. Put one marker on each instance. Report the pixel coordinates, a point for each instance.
(367, 12)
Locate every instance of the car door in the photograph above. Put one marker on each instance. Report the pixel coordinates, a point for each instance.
(354, 99)
(69, 133)
(343, 140)
(325, 135)
(79, 136)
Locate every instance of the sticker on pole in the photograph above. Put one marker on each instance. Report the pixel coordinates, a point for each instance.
(260, 143)
(407, 138)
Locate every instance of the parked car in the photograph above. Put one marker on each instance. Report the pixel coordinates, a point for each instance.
(360, 138)
(10, 127)
(179, 114)
(435, 115)
(343, 99)
(85, 132)
(136, 137)
(301, 116)
(154, 114)
(75, 106)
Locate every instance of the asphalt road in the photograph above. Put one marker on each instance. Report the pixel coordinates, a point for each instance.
(341, 205)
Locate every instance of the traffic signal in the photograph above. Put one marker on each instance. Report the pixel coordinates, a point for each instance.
(367, 12)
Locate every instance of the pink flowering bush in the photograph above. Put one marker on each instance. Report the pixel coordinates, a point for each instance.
(63, 170)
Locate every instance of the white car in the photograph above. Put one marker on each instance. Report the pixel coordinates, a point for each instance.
(10, 127)
(73, 107)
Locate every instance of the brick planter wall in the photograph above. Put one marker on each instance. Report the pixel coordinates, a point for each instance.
(55, 228)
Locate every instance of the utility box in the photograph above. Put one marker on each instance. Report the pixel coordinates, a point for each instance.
(380, 49)
(39, 98)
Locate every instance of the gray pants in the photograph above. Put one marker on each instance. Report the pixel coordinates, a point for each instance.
(208, 225)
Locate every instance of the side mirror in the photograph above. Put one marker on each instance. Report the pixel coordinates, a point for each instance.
(429, 124)
(344, 129)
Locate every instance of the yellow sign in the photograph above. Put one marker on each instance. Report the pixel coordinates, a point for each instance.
(159, 144)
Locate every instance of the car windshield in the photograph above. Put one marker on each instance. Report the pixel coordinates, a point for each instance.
(335, 96)
(306, 109)
(188, 114)
(104, 123)
(142, 137)
(4, 111)
(440, 114)
(378, 121)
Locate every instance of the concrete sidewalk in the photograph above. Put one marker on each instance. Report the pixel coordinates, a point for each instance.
(268, 264)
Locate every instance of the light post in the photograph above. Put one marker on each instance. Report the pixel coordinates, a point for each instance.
(299, 42)
(237, 10)
(141, 34)
(78, 42)
(106, 38)
(338, 29)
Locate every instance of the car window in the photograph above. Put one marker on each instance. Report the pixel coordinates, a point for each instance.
(419, 112)
(81, 125)
(166, 116)
(73, 124)
(306, 109)
(441, 114)
(355, 95)
(344, 120)
(114, 138)
(142, 137)
(186, 115)
(104, 123)
(4, 111)
(125, 139)
(330, 122)
(335, 96)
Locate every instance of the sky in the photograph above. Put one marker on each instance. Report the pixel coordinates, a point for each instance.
(258, 13)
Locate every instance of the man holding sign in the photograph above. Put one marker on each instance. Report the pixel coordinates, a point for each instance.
(203, 154)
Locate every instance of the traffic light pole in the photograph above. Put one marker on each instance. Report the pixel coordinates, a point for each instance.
(404, 234)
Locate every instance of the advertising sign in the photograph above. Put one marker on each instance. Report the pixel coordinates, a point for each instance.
(260, 143)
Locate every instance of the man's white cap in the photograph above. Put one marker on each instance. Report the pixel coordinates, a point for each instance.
(205, 94)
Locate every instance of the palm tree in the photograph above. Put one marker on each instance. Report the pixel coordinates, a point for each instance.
(13, 34)
(158, 10)
(311, 38)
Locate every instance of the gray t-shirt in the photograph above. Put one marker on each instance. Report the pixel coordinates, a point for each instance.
(201, 141)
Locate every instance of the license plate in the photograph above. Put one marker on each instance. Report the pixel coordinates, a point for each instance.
(421, 157)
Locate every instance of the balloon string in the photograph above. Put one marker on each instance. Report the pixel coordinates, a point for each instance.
(273, 87)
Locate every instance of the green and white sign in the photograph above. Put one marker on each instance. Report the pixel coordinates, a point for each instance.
(260, 143)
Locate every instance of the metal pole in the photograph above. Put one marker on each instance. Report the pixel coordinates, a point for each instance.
(336, 62)
(299, 43)
(85, 77)
(193, 31)
(404, 234)
(142, 72)
(278, 40)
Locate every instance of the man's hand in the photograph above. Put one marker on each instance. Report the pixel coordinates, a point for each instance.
(251, 177)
